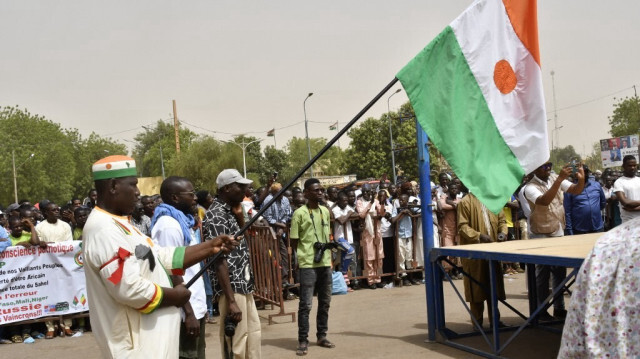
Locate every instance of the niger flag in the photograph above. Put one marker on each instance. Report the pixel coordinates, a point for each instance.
(477, 91)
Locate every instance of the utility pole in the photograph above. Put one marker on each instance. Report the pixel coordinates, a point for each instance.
(555, 115)
(176, 126)
(15, 175)
(637, 102)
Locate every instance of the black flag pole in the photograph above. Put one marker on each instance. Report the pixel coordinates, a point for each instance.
(297, 175)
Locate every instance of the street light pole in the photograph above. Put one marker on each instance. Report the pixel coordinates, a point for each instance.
(15, 172)
(393, 155)
(159, 144)
(306, 130)
(243, 147)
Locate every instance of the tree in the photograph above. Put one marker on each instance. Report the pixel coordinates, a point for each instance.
(275, 160)
(560, 157)
(85, 153)
(594, 160)
(626, 117)
(203, 160)
(147, 149)
(369, 153)
(60, 167)
(330, 164)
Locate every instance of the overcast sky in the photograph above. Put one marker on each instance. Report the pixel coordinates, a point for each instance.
(247, 66)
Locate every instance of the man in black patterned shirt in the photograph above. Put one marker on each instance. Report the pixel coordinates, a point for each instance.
(232, 278)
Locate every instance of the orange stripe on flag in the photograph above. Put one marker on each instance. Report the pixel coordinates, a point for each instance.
(524, 19)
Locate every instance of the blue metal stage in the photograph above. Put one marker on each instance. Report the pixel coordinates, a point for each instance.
(560, 251)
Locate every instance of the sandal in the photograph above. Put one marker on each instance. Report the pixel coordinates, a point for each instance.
(16, 338)
(325, 343)
(303, 348)
(25, 336)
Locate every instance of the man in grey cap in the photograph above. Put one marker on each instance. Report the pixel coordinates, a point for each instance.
(232, 278)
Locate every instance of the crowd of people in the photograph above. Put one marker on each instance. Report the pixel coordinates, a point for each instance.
(375, 224)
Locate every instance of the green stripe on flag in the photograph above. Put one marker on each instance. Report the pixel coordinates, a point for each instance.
(451, 108)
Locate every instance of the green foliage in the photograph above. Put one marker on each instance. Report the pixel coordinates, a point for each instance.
(152, 141)
(562, 156)
(61, 164)
(626, 117)
(594, 160)
(369, 153)
(203, 160)
(330, 164)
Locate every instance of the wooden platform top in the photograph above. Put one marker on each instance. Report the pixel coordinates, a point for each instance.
(577, 246)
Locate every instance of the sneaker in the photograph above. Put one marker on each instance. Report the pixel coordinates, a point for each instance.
(406, 283)
(559, 313)
(380, 285)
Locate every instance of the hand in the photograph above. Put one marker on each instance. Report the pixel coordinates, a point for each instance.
(579, 171)
(43, 244)
(26, 223)
(192, 325)
(224, 243)
(234, 312)
(566, 172)
(485, 238)
(182, 294)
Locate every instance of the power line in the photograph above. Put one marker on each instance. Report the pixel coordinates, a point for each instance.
(592, 100)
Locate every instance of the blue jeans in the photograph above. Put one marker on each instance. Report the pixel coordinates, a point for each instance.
(319, 279)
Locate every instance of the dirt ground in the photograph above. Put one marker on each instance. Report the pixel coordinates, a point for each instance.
(363, 324)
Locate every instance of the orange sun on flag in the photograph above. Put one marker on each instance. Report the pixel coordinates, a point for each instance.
(504, 77)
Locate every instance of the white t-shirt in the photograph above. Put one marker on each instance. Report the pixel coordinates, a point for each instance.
(532, 193)
(168, 233)
(54, 232)
(386, 227)
(631, 188)
(338, 229)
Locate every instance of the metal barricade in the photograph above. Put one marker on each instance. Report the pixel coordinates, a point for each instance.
(264, 248)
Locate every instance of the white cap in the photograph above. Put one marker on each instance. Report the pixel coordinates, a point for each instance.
(230, 176)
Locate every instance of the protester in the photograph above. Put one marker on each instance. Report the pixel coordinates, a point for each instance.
(81, 214)
(583, 212)
(173, 225)
(477, 224)
(387, 231)
(148, 204)
(232, 278)
(134, 309)
(627, 189)
(140, 220)
(279, 215)
(368, 209)
(310, 225)
(204, 199)
(54, 230)
(342, 232)
(448, 203)
(544, 194)
(404, 229)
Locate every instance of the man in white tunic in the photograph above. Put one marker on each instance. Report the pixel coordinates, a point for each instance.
(134, 309)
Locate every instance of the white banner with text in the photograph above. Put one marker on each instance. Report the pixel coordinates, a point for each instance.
(37, 282)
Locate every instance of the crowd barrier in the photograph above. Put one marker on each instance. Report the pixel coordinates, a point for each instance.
(267, 269)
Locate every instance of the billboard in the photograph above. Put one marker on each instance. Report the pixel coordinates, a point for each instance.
(613, 150)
